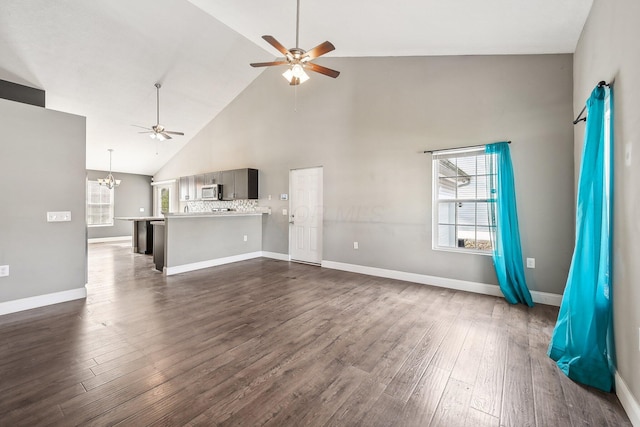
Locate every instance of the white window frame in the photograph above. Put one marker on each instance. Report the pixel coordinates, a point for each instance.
(91, 185)
(436, 201)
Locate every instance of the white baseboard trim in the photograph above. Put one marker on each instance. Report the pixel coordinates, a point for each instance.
(276, 255)
(22, 304)
(109, 239)
(629, 402)
(443, 282)
(170, 271)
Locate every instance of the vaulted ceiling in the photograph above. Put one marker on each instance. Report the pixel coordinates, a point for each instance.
(101, 58)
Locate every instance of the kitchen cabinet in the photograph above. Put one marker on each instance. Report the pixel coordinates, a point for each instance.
(228, 181)
(212, 178)
(236, 184)
(239, 184)
(187, 188)
(199, 179)
(245, 184)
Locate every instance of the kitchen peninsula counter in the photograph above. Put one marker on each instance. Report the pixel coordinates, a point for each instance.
(196, 240)
(142, 234)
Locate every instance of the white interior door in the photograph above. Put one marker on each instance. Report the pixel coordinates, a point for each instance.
(305, 215)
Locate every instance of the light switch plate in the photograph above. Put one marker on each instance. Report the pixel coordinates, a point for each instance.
(531, 263)
(4, 270)
(62, 216)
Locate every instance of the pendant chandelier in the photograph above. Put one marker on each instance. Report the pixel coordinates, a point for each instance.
(110, 182)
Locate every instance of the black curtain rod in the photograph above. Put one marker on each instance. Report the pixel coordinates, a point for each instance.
(456, 148)
(584, 119)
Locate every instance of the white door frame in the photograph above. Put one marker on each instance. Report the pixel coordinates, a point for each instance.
(313, 243)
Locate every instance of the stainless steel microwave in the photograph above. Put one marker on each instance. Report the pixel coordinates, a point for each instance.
(212, 192)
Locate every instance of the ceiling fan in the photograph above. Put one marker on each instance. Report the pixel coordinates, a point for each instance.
(298, 59)
(158, 131)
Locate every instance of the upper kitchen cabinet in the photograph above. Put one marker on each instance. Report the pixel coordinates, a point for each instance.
(199, 183)
(236, 184)
(246, 184)
(187, 188)
(239, 184)
(212, 178)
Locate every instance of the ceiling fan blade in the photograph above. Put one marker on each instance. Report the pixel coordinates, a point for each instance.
(322, 70)
(170, 132)
(164, 135)
(143, 127)
(320, 50)
(275, 43)
(268, 64)
(148, 131)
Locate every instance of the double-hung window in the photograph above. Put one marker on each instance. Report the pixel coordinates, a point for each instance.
(461, 200)
(99, 204)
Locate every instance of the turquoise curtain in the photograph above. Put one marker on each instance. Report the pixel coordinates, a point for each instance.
(582, 341)
(503, 218)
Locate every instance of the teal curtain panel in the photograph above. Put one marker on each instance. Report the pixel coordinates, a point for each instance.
(503, 217)
(582, 341)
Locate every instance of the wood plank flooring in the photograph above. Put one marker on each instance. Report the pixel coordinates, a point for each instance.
(266, 342)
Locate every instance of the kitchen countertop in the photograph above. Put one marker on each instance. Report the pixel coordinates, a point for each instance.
(209, 214)
(139, 218)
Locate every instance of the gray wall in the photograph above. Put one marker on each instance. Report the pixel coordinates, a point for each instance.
(42, 168)
(608, 50)
(134, 192)
(198, 239)
(367, 129)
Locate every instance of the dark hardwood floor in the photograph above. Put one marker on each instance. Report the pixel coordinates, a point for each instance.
(283, 344)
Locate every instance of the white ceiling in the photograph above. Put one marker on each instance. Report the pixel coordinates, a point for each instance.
(101, 58)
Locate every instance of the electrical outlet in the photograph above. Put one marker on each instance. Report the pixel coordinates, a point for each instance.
(355, 245)
(4, 270)
(63, 216)
(531, 263)
(141, 209)
(284, 211)
(245, 237)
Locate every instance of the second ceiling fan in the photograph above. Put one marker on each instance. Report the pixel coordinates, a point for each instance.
(298, 59)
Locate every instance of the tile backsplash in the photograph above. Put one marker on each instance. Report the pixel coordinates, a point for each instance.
(209, 205)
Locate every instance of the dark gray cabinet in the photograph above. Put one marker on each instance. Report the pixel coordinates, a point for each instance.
(246, 184)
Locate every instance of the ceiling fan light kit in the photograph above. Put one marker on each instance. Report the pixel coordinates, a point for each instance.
(110, 182)
(158, 131)
(298, 59)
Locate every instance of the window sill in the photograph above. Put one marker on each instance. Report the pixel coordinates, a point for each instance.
(463, 251)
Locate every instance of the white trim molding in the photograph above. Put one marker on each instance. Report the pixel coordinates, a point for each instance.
(22, 304)
(170, 271)
(109, 239)
(629, 402)
(443, 282)
(276, 255)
